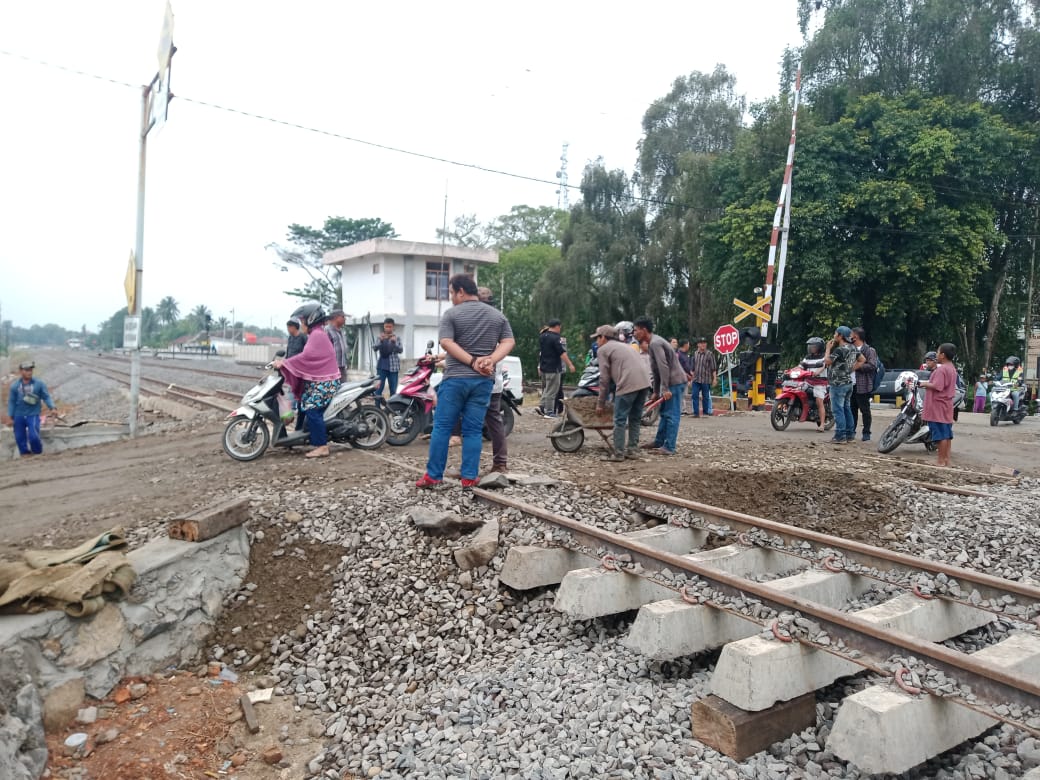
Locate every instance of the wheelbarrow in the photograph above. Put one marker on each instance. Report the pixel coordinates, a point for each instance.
(579, 415)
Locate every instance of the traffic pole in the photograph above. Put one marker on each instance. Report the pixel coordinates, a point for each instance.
(135, 354)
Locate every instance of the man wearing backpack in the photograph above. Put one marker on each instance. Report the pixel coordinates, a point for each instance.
(866, 373)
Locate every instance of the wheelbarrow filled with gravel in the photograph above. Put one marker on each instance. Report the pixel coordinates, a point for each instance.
(579, 415)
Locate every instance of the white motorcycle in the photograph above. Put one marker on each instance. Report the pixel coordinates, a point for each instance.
(909, 426)
(1002, 404)
(253, 426)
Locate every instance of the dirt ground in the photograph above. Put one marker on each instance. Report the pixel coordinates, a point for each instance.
(185, 726)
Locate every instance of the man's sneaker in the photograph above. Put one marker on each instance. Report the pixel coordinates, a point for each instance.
(866, 437)
(837, 440)
(662, 451)
(650, 445)
(468, 484)
(551, 415)
(428, 482)
(613, 458)
(633, 455)
(502, 467)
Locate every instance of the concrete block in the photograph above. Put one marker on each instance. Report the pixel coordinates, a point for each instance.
(673, 628)
(883, 730)
(592, 593)
(529, 567)
(755, 673)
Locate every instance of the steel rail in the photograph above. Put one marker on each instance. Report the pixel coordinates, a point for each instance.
(992, 686)
(988, 586)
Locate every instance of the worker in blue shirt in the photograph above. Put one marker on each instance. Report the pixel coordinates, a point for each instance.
(24, 404)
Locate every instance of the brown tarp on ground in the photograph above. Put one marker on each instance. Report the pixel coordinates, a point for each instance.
(74, 580)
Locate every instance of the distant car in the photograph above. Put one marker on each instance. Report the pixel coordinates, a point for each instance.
(887, 390)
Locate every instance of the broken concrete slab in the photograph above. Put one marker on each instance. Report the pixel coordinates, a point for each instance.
(481, 549)
(441, 521)
(495, 479)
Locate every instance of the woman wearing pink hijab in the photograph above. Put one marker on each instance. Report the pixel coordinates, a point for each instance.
(313, 375)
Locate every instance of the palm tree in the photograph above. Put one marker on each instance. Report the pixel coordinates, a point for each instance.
(167, 310)
(201, 316)
(223, 323)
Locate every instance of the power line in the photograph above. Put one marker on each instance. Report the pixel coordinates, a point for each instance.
(485, 169)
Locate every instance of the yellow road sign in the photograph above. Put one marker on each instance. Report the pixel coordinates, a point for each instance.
(130, 285)
(753, 310)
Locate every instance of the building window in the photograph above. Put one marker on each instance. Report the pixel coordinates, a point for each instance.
(469, 269)
(375, 268)
(437, 280)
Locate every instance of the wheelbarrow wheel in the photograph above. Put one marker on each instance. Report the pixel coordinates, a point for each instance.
(568, 436)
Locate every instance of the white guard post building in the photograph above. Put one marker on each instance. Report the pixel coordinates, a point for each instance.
(406, 280)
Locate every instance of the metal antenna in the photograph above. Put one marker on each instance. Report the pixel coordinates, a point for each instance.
(563, 200)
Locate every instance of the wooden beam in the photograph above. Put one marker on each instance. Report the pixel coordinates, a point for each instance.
(212, 521)
(739, 734)
(954, 490)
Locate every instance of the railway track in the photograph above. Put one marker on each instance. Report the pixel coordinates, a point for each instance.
(167, 365)
(792, 611)
(203, 398)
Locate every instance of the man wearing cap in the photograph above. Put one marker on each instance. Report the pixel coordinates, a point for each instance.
(842, 359)
(388, 367)
(668, 382)
(704, 373)
(334, 327)
(626, 369)
(27, 397)
(552, 354)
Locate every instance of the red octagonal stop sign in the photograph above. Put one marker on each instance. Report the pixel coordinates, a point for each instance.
(726, 339)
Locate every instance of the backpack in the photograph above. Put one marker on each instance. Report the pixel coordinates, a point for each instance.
(879, 375)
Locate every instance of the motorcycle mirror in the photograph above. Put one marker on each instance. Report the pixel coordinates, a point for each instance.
(280, 353)
(429, 344)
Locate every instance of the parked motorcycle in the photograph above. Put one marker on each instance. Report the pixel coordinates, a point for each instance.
(410, 409)
(257, 423)
(909, 427)
(1002, 405)
(795, 401)
(588, 384)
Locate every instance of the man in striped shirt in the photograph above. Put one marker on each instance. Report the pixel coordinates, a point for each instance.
(476, 337)
(704, 374)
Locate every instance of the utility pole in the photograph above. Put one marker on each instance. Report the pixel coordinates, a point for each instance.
(155, 99)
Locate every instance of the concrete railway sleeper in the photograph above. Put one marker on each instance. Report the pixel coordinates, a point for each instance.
(850, 638)
(923, 577)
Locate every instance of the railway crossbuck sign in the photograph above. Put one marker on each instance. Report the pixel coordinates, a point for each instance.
(726, 339)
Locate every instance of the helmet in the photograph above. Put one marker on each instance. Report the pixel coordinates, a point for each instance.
(907, 380)
(310, 314)
(815, 345)
(1012, 361)
(625, 329)
(931, 356)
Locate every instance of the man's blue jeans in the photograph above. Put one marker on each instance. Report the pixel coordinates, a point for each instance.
(668, 425)
(841, 407)
(457, 397)
(701, 391)
(385, 378)
(628, 416)
(27, 433)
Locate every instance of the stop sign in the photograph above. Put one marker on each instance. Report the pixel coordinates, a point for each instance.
(726, 339)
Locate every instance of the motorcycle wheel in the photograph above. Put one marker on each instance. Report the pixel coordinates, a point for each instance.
(994, 415)
(651, 416)
(508, 420)
(406, 422)
(931, 446)
(572, 439)
(1017, 419)
(378, 426)
(830, 421)
(894, 435)
(246, 439)
(781, 416)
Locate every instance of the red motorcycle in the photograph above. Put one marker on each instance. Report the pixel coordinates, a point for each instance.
(795, 400)
(411, 408)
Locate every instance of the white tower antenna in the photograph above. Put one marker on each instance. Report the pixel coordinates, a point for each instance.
(563, 193)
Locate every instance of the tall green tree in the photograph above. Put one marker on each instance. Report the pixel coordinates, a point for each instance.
(602, 277)
(683, 133)
(526, 225)
(167, 311)
(307, 245)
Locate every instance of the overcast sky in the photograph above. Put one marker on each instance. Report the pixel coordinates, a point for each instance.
(480, 83)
